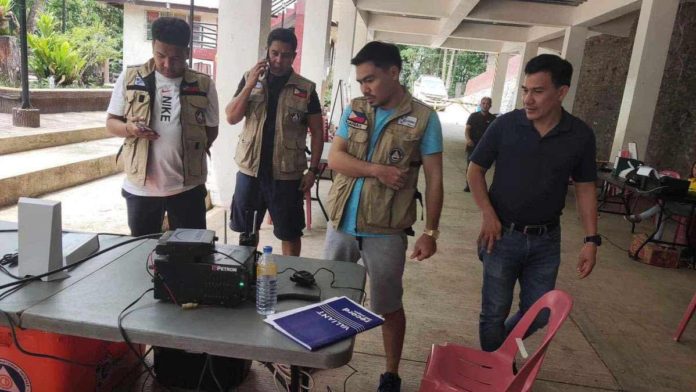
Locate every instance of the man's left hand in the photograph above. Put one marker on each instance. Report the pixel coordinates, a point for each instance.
(586, 260)
(425, 247)
(307, 182)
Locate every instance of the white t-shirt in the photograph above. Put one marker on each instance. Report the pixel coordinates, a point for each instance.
(165, 162)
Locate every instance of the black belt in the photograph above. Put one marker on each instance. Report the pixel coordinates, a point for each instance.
(530, 229)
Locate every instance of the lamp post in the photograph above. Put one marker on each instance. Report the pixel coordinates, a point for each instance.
(24, 116)
(191, 38)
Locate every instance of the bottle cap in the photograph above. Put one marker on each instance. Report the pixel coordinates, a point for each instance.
(267, 249)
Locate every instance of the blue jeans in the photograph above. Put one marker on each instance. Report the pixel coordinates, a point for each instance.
(531, 259)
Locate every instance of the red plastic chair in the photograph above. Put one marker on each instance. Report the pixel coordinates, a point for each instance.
(455, 368)
(685, 320)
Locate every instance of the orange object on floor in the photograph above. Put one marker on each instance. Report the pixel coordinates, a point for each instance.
(108, 363)
(654, 254)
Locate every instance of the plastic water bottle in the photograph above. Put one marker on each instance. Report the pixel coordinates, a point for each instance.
(266, 283)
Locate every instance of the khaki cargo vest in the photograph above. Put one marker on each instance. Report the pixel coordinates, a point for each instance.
(383, 210)
(289, 159)
(140, 97)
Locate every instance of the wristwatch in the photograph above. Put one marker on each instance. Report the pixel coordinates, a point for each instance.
(595, 239)
(432, 232)
(312, 169)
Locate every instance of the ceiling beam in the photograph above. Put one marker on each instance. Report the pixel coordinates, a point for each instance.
(595, 12)
(400, 24)
(450, 24)
(430, 8)
(544, 33)
(620, 27)
(471, 30)
(523, 13)
(401, 38)
(473, 45)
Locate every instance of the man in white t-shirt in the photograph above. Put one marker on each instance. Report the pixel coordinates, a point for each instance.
(168, 117)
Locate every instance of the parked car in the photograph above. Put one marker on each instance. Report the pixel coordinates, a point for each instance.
(431, 90)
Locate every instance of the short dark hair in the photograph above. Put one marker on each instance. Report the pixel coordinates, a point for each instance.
(560, 69)
(172, 31)
(381, 54)
(283, 35)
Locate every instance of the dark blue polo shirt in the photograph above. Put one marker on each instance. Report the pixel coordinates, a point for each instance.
(530, 182)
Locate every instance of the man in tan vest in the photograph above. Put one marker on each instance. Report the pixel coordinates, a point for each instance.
(278, 105)
(168, 117)
(383, 139)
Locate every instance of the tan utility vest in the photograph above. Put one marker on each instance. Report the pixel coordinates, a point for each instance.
(383, 210)
(289, 159)
(140, 92)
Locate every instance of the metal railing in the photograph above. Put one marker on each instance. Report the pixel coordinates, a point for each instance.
(204, 35)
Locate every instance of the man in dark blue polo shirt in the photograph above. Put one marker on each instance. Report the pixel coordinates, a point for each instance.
(535, 150)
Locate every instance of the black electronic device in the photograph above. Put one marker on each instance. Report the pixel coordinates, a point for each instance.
(674, 186)
(303, 278)
(186, 244)
(190, 268)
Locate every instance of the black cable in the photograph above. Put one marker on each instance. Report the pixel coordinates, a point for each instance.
(8, 231)
(10, 259)
(75, 264)
(125, 337)
(212, 372)
(142, 386)
(612, 242)
(147, 264)
(13, 330)
(333, 280)
(8, 273)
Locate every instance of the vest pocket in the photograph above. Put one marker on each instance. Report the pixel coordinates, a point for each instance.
(197, 105)
(195, 156)
(377, 199)
(293, 159)
(403, 213)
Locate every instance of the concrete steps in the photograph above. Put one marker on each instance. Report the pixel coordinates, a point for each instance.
(39, 171)
(56, 130)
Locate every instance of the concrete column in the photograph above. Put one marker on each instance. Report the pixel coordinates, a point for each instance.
(529, 51)
(501, 65)
(344, 51)
(359, 40)
(573, 51)
(315, 41)
(242, 30)
(653, 34)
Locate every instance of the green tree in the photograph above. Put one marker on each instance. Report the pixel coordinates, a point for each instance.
(52, 54)
(419, 60)
(95, 45)
(5, 16)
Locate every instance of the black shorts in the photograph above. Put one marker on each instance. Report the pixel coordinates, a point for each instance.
(283, 200)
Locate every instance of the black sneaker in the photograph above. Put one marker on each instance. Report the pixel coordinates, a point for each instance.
(389, 382)
(466, 189)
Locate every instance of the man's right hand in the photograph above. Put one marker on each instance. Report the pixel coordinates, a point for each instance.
(135, 127)
(392, 176)
(491, 230)
(255, 73)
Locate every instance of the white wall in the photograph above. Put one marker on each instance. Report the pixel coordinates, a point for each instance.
(136, 48)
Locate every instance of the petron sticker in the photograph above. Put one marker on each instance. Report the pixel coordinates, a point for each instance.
(200, 117)
(408, 121)
(13, 378)
(396, 155)
(357, 120)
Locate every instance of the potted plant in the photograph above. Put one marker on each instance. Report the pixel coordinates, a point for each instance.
(5, 16)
